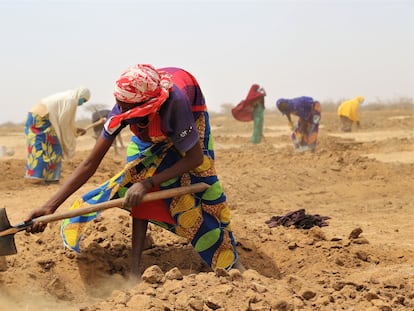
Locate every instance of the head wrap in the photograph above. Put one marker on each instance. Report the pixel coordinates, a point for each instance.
(360, 99)
(280, 101)
(83, 92)
(143, 85)
(279, 104)
(140, 83)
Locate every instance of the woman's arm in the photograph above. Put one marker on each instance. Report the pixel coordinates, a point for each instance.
(80, 131)
(288, 117)
(78, 178)
(289, 121)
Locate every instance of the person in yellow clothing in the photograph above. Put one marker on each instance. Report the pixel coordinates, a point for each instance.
(348, 113)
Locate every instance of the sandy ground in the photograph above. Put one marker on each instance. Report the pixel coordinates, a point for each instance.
(362, 180)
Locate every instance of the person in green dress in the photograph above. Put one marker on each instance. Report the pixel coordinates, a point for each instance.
(252, 109)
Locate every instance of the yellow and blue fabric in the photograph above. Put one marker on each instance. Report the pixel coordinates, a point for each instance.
(44, 152)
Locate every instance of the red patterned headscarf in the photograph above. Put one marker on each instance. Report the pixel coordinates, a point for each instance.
(142, 85)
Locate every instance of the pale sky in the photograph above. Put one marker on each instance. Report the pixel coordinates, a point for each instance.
(328, 49)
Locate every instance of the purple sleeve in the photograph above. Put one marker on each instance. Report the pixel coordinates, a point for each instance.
(179, 124)
(115, 110)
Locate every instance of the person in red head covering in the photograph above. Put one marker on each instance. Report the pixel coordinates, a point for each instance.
(252, 108)
(171, 147)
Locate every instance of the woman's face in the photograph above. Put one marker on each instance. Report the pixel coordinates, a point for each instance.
(125, 106)
(283, 107)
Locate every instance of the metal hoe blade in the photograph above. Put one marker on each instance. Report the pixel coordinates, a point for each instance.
(7, 245)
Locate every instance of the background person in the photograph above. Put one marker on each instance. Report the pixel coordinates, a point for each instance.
(51, 133)
(172, 146)
(97, 129)
(252, 108)
(305, 129)
(348, 113)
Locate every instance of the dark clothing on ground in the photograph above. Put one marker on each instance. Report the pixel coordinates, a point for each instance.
(298, 219)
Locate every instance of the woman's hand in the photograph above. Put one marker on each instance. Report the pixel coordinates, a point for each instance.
(37, 226)
(80, 131)
(136, 193)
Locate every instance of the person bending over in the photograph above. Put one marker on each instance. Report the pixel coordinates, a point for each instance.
(305, 128)
(171, 147)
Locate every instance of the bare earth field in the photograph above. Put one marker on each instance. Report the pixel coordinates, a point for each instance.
(361, 180)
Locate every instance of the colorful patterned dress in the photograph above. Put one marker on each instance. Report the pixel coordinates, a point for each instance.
(305, 130)
(44, 152)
